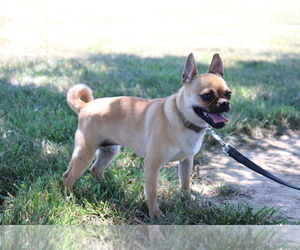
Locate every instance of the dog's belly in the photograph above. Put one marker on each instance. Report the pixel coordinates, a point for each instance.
(135, 144)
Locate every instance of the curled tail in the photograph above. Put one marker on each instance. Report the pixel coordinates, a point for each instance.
(78, 96)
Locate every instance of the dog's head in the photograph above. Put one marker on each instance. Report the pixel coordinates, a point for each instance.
(207, 95)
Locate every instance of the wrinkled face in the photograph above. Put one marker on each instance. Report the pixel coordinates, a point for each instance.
(210, 97)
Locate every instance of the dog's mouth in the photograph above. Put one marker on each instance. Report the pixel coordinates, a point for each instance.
(216, 120)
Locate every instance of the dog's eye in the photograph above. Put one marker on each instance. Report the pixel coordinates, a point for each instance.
(207, 97)
(228, 95)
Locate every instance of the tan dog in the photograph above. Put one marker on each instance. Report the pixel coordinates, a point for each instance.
(159, 130)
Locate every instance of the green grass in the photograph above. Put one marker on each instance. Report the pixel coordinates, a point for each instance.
(117, 53)
(37, 129)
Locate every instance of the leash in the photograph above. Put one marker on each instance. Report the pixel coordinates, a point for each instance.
(229, 150)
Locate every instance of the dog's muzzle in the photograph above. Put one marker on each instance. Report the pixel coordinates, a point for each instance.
(215, 118)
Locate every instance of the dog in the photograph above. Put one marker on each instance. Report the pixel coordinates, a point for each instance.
(158, 130)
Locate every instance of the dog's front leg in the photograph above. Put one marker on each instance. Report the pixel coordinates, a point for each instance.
(152, 167)
(184, 171)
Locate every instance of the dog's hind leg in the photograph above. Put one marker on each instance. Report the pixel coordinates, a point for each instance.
(105, 155)
(83, 154)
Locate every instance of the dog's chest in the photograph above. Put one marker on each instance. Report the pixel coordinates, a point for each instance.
(187, 147)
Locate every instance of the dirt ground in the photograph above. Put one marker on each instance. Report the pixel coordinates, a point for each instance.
(279, 155)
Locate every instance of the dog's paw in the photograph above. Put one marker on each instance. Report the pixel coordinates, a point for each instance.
(68, 190)
(98, 174)
(156, 214)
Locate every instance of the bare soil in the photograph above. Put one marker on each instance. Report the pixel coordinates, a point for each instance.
(227, 181)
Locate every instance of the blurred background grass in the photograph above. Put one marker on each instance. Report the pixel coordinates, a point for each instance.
(153, 29)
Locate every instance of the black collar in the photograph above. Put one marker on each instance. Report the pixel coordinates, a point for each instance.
(186, 122)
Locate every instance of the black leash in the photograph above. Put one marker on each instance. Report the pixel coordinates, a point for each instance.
(229, 150)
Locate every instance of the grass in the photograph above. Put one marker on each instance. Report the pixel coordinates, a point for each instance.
(37, 129)
(37, 126)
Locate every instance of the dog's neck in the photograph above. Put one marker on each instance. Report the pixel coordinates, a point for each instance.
(186, 122)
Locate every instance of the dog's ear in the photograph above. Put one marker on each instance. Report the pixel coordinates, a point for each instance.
(216, 65)
(189, 70)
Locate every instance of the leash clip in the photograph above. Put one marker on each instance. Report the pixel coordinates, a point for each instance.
(225, 146)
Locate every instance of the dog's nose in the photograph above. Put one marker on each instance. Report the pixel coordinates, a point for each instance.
(224, 103)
